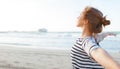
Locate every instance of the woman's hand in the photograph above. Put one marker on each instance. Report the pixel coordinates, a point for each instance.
(109, 34)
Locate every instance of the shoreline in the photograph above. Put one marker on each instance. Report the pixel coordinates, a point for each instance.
(48, 48)
(35, 47)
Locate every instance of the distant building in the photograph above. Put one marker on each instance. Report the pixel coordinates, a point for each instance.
(42, 30)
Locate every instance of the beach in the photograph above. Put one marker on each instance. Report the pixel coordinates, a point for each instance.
(18, 57)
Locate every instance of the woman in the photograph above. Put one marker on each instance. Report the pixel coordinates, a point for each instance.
(86, 52)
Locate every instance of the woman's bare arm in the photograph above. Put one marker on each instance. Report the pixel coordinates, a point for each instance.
(102, 57)
(100, 37)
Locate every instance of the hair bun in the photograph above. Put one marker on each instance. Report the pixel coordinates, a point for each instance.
(105, 22)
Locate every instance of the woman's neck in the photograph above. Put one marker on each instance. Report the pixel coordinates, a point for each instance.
(87, 33)
(84, 35)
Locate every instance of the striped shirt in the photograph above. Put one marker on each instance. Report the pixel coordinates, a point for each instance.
(81, 53)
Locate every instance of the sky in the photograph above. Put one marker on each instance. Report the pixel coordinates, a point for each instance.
(54, 15)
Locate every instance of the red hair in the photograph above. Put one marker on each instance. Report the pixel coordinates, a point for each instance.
(95, 19)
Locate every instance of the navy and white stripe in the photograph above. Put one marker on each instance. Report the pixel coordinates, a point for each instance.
(80, 53)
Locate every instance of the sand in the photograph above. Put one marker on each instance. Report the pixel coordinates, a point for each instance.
(19, 57)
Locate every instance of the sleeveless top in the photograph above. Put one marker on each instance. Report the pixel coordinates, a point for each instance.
(81, 53)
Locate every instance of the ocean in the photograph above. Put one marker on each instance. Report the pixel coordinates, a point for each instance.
(53, 40)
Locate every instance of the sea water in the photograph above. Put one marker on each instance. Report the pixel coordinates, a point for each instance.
(56, 40)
